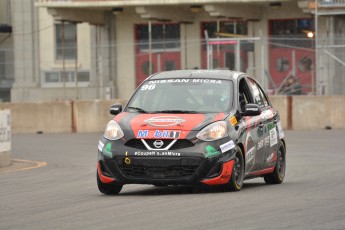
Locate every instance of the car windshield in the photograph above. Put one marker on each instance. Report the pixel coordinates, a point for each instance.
(182, 96)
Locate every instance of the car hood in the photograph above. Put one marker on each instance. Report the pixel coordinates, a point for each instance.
(164, 125)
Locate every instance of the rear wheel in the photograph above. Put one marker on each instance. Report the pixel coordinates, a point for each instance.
(277, 177)
(109, 189)
(236, 180)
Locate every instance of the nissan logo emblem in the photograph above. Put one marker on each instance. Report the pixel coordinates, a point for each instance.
(158, 143)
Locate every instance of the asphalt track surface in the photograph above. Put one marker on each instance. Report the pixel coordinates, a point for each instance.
(63, 194)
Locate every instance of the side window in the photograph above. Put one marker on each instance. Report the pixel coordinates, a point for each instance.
(244, 96)
(258, 94)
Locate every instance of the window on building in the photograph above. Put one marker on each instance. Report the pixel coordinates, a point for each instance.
(56, 78)
(225, 28)
(65, 41)
(165, 36)
(2, 64)
(292, 32)
(224, 55)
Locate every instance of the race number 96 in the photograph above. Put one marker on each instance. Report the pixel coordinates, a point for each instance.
(148, 87)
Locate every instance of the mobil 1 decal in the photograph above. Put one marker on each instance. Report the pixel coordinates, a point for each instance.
(158, 134)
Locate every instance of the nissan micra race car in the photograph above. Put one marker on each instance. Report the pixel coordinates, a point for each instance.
(190, 127)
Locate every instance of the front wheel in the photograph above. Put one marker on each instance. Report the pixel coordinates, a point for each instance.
(277, 176)
(236, 180)
(109, 189)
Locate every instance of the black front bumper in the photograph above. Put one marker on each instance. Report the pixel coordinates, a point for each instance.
(184, 166)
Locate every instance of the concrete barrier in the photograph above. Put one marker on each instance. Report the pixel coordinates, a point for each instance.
(298, 112)
(48, 117)
(280, 103)
(317, 112)
(5, 138)
(92, 116)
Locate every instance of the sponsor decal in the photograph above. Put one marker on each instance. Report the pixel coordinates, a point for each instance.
(207, 81)
(260, 145)
(280, 130)
(157, 153)
(270, 157)
(270, 126)
(107, 150)
(164, 121)
(100, 146)
(252, 109)
(250, 155)
(158, 134)
(267, 141)
(233, 120)
(273, 137)
(227, 146)
(169, 81)
(211, 151)
(250, 149)
(267, 114)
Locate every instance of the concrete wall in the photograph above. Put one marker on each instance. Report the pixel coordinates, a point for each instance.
(306, 112)
(60, 117)
(92, 116)
(44, 117)
(315, 112)
(280, 103)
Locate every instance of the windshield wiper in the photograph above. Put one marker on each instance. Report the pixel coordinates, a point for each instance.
(175, 111)
(140, 110)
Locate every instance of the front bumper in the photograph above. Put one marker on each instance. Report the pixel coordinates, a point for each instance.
(192, 165)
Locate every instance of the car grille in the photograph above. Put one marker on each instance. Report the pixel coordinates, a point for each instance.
(179, 144)
(153, 168)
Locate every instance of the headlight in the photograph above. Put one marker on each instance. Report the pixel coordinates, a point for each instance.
(113, 131)
(213, 131)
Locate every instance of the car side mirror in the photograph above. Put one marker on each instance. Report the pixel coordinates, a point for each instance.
(251, 110)
(115, 109)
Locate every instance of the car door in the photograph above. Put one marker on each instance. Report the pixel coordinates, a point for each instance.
(268, 138)
(253, 132)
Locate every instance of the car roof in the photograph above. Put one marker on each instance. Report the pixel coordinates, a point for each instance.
(206, 74)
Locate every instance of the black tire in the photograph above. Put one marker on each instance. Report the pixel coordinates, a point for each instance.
(277, 177)
(236, 180)
(109, 189)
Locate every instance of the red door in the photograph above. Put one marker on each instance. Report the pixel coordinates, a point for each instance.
(292, 61)
(161, 61)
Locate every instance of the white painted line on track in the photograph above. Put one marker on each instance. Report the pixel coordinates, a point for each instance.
(34, 165)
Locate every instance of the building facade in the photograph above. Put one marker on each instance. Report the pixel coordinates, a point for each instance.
(6, 51)
(103, 49)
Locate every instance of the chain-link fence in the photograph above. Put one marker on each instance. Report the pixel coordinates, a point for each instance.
(282, 65)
